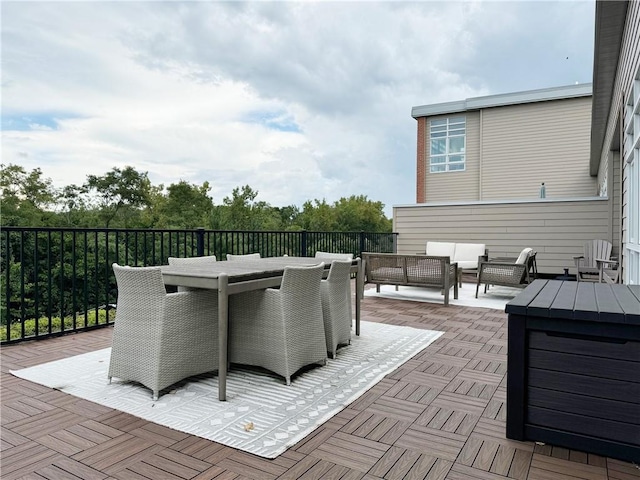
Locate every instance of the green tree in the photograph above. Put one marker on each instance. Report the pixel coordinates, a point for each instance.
(288, 217)
(317, 216)
(75, 207)
(121, 194)
(358, 213)
(185, 206)
(26, 196)
(241, 211)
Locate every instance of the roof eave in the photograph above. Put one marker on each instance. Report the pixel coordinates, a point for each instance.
(503, 100)
(609, 28)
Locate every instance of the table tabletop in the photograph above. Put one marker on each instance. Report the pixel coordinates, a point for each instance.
(241, 270)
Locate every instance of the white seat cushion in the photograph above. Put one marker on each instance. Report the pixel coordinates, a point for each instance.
(441, 249)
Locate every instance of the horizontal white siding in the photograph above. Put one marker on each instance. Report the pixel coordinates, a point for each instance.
(525, 145)
(557, 230)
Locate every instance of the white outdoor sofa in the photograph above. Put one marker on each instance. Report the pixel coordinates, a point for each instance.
(466, 255)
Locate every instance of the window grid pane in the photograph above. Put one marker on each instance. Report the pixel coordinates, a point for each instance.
(448, 143)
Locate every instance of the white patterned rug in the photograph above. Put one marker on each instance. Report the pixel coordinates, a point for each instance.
(262, 415)
(496, 297)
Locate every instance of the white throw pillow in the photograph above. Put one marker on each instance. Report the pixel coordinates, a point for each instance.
(524, 255)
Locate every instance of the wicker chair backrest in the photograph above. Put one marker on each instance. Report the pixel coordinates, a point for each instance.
(340, 271)
(192, 260)
(141, 292)
(298, 283)
(249, 256)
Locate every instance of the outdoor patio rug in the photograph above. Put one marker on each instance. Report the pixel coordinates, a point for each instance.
(496, 297)
(262, 415)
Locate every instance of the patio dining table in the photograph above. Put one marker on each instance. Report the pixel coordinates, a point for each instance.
(231, 277)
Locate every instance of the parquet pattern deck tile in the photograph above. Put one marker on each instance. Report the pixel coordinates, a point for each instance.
(439, 416)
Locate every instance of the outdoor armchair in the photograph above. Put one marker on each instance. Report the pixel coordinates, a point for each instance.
(595, 263)
(508, 273)
(336, 305)
(281, 330)
(160, 338)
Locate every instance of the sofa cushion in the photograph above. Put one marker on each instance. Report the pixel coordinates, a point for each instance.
(524, 255)
(467, 254)
(441, 249)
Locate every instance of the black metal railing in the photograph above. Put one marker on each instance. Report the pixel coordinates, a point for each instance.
(59, 280)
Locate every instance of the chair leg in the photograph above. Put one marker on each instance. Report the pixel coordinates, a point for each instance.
(155, 395)
(477, 288)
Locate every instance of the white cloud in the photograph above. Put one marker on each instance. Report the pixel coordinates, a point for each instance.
(298, 100)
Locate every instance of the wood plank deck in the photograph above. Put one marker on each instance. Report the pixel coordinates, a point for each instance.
(439, 416)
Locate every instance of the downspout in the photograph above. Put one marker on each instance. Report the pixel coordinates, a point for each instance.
(613, 157)
(621, 153)
(480, 160)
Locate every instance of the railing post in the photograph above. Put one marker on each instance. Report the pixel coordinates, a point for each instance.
(303, 244)
(361, 243)
(200, 242)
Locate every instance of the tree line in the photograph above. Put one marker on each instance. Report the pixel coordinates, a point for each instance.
(126, 198)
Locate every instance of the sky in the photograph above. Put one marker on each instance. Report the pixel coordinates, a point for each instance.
(299, 100)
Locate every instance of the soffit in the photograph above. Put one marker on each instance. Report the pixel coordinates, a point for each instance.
(609, 28)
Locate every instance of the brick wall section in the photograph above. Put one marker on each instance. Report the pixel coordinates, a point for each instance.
(421, 161)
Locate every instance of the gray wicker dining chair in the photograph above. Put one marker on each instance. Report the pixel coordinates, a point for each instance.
(329, 256)
(194, 261)
(161, 338)
(248, 256)
(336, 305)
(281, 330)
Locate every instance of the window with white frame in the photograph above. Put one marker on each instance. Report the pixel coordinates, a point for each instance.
(631, 152)
(448, 142)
